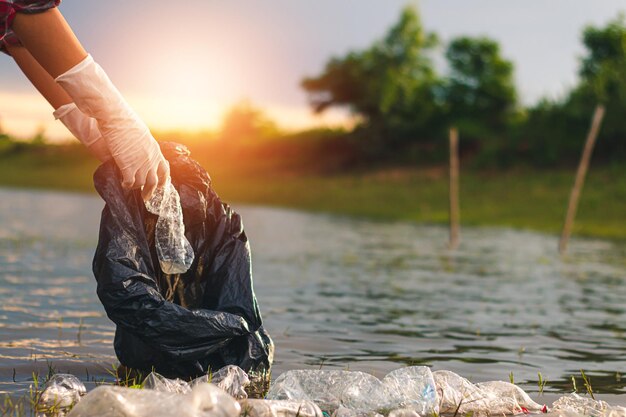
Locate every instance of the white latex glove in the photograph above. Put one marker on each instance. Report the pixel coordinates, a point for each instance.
(84, 128)
(135, 151)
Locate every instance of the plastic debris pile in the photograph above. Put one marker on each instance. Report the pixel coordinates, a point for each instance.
(407, 392)
(340, 391)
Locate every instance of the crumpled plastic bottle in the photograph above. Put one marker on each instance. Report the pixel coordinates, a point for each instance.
(279, 408)
(329, 389)
(411, 387)
(160, 383)
(230, 378)
(459, 395)
(173, 249)
(403, 412)
(574, 404)
(349, 412)
(204, 400)
(60, 393)
(233, 380)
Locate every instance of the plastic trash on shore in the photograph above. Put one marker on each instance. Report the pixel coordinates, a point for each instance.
(403, 412)
(329, 389)
(349, 412)
(159, 383)
(60, 392)
(574, 404)
(179, 325)
(460, 396)
(204, 400)
(279, 408)
(411, 387)
(232, 379)
(173, 249)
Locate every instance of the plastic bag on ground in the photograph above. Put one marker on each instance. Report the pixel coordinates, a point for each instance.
(173, 250)
(180, 325)
(60, 392)
(279, 408)
(411, 387)
(458, 395)
(204, 400)
(574, 404)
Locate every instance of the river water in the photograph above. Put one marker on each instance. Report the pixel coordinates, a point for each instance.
(337, 292)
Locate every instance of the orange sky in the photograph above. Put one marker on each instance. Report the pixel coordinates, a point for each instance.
(181, 65)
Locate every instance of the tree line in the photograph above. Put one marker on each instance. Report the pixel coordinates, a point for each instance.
(405, 107)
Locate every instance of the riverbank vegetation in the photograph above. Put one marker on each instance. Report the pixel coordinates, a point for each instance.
(521, 197)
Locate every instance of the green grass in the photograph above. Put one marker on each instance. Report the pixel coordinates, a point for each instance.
(522, 197)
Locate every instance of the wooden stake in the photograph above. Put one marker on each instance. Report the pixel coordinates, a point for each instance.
(455, 235)
(580, 177)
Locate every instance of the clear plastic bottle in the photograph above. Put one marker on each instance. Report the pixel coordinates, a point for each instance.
(173, 249)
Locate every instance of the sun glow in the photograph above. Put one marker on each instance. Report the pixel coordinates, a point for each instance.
(186, 78)
(23, 115)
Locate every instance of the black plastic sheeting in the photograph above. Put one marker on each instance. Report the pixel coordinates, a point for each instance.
(187, 324)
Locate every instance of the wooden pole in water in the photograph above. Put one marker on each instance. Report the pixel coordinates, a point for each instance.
(583, 166)
(455, 235)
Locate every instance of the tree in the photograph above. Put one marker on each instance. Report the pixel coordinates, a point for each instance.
(604, 66)
(243, 122)
(390, 85)
(480, 91)
(555, 130)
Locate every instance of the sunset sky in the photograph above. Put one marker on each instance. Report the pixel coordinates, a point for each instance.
(182, 64)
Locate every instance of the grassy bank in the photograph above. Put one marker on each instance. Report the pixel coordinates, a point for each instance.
(522, 198)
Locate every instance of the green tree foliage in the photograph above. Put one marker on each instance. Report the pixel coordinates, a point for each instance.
(480, 91)
(603, 68)
(390, 85)
(556, 130)
(405, 107)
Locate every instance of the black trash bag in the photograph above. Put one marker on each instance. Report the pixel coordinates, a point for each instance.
(186, 324)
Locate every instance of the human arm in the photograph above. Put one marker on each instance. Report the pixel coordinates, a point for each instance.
(84, 128)
(51, 42)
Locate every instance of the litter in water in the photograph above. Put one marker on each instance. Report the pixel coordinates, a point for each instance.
(411, 387)
(406, 392)
(204, 400)
(574, 404)
(459, 395)
(61, 392)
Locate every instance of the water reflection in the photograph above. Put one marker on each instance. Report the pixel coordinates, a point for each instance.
(339, 293)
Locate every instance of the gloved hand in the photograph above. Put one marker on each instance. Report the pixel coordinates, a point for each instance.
(135, 151)
(84, 128)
